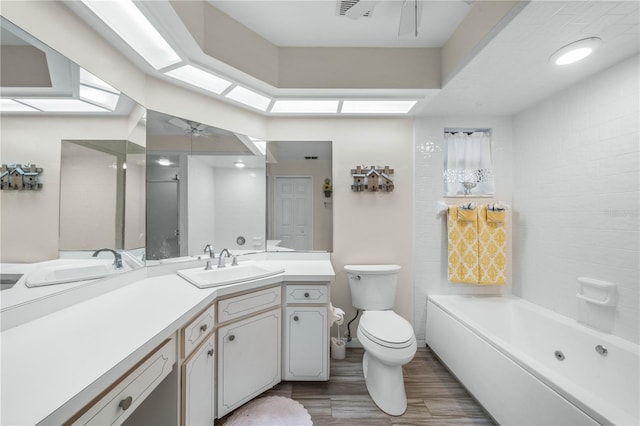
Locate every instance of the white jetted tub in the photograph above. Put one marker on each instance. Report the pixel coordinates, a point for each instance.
(530, 366)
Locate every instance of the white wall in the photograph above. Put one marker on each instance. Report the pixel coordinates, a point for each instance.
(88, 193)
(430, 236)
(201, 205)
(367, 227)
(576, 195)
(240, 208)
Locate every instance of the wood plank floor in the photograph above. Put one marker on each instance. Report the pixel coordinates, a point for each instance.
(434, 396)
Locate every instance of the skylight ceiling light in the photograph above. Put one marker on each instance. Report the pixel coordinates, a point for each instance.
(575, 51)
(62, 105)
(99, 97)
(164, 162)
(305, 106)
(9, 105)
(249, 97)
(377, 107)
(199, 78)
(89, 79)
(126, 20)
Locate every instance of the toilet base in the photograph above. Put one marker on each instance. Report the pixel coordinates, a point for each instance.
(385, 385)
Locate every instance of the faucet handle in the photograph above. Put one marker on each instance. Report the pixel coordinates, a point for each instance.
(235, 261)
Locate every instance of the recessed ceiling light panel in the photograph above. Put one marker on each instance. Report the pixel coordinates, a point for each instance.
(89, 79)
(377, 107)
(249, 97)
(199, 78)
(575, 51)
(99, 97)
(126, 20)
(62, 105)
(305, 106)
(9, 105)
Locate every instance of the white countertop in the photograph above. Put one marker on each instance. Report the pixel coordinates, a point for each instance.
(54, 365)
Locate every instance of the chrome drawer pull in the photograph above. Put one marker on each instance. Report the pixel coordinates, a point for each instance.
(232, 338)
(203, 328)
(295, 318)
(306, 295)
(210, 352)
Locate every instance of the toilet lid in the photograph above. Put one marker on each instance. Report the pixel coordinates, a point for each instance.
(387, 328)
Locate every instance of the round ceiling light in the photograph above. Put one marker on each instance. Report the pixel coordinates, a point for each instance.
(239, 164)
(574, 52)
(164, 162)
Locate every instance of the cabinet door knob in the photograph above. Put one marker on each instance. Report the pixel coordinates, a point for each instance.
(126, 403)
(295, 318)
(203, 328)
(210, 352)
(232, 338)
(306, 294)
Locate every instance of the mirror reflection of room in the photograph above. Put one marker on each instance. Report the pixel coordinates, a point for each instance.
(205, 185)
(300, 210)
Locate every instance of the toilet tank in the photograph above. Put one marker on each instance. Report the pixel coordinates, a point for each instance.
(373, 287)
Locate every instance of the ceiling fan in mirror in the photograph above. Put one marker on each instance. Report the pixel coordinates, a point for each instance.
(190, 127)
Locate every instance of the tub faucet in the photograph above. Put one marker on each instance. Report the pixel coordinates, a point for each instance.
(118, 258)
(221, 258)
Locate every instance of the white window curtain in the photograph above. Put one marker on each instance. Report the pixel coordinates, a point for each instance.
(467, 162)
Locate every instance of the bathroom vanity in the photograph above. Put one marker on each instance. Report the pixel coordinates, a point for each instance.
(160, 350)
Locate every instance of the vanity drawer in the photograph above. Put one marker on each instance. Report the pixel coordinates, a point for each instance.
(195, 332)
(125, 395)
(316, 293)
(246, 304)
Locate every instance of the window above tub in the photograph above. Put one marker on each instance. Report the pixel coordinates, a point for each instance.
(468, 169)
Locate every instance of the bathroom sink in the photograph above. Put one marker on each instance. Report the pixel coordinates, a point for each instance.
(215, 277)
(69, 270)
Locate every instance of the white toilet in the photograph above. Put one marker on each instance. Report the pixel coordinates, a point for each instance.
(387, 338)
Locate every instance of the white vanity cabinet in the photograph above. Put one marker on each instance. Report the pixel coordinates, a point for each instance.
(115, 404)
(198, 385)
(249, 349)
(306, 344)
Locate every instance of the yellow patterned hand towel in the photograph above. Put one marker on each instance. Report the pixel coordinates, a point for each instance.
(462, 248)
(492, 248)
(467, 214)
(496, 213)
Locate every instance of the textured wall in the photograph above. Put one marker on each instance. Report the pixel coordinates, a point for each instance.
(430, 236)
(576, 195)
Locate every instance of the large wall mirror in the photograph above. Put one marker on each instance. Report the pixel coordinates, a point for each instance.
(205, 185)
(88, 199)
(300, 196)
(102, 195)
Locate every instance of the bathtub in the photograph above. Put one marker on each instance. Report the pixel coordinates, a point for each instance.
(530, 366)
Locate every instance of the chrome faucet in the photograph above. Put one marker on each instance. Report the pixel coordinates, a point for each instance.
(221, 258)
(209, 249)
(118, 258)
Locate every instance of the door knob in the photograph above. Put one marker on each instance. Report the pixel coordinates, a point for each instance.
(232, 338)
(203, 328)
(210, 352)
(295, 318)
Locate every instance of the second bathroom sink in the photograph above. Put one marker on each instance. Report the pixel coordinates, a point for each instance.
(245, 271)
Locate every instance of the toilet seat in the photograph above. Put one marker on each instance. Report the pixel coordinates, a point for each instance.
(387, 329)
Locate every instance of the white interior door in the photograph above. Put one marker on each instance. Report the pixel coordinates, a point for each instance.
(293, 221)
